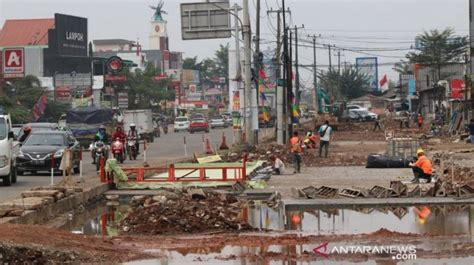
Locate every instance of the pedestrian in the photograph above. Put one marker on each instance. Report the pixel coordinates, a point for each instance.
(377, 124)
(420, 120)
(278, 165)
(471, 131)
(422, 168)
(295, 150)
(325, 133)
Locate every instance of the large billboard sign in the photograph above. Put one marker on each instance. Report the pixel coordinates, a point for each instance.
(70, 35)
(205, 20)
(369, 66)
(13, 62)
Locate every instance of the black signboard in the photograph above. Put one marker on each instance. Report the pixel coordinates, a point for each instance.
(71, 35)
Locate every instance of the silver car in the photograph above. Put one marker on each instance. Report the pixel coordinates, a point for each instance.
(218, 121)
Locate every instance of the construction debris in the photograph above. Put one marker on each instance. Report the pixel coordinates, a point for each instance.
(195, 211)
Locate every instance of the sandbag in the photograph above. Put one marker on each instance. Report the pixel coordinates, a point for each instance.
(385, 161)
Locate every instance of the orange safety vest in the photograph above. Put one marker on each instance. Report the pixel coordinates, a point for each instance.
(425, 164)
(295, 142)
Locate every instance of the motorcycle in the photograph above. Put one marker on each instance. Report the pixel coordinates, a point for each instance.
(99, 151)
(165, 128)
(118, 150)
(131, 148)
(157, 130)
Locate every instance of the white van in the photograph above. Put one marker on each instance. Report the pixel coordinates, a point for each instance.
(8, 151)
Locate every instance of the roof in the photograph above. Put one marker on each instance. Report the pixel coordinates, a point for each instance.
(24, 32)
(112, 42)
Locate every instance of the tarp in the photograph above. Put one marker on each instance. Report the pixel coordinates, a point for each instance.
(384, 161)
(89, 115)
(111, 165)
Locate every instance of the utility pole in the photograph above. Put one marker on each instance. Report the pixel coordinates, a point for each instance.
(315, 76)
(339, 61)
(286, 68)
(247, 70)
(289, 89)
(238, 68)
(330, 64)
(297, 76)
(280, 95)
(255, 89)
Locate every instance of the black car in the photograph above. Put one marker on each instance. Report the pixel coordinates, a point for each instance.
(37, 152)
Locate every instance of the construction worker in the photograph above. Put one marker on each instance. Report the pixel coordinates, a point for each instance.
(26, 133)
(325, 133)
(310, 140)
(422, 168)
(295, 149)
(278, 165)
(377, 124)
(101, 135)
(420, 120)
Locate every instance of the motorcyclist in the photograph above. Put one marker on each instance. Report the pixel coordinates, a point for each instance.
(120, 135)
(164, 126)
(133, 134)
(26, 133)
(102, 136)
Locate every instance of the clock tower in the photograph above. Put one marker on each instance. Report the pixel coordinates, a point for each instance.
(158, 39)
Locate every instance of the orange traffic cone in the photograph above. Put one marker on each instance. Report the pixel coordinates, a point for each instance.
(208, 148)
(223, 144)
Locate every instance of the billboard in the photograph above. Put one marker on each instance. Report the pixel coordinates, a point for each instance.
(69, 36)
(13, 62)
(205, 20)
(457, 88)
(369, 66)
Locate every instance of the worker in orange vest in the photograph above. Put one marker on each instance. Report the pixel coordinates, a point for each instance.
(420, 120)
(422, 168)
(295, 150)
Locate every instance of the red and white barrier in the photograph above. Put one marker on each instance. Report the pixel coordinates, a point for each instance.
(52, 169)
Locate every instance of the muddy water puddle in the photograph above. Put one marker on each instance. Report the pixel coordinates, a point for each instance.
(432, 220)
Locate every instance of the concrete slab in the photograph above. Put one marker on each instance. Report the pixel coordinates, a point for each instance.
(337, 177)
(311, 204)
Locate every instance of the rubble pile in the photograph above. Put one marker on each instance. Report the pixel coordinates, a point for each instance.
(187, 211)
(37, 197)
(310, 158)
(15, 254)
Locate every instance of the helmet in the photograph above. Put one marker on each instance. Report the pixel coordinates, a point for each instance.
(132, 125)
(27, 128)
(420, 152)
(308, 134)
(102, 128)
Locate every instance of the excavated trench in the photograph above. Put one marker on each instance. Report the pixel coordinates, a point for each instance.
(444, 235)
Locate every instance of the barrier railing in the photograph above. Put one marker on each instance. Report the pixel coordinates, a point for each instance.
(184, 173)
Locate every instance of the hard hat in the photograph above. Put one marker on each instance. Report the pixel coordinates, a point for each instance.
(132, 125)
(420, 151)
(27, 128)
(421, 221)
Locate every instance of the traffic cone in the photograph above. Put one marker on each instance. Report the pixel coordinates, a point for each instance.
(208, 148)
(223, 144)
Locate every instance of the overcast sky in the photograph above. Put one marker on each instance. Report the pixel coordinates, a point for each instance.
(373, 27)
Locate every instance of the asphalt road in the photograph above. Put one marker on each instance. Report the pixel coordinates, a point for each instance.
(165, 149)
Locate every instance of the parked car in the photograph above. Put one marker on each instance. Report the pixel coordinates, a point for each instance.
(197, 125)
(218, 121)
(227, 118)
(38, 150)
(363, 115)
(356, 107)
(181, 124)
(197, 115)
(8, 151)
(40, 126)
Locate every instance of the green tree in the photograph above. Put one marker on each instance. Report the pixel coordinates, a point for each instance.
(403, 67)
(191, 63)
(143, 89)
(438, 48)
(348, 84)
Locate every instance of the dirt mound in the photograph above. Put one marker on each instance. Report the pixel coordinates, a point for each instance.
(15, 254)
(382, 232)
(193, 211)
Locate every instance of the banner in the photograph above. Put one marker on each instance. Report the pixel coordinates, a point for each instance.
(39, 108)
(369, 66)
(457, 87)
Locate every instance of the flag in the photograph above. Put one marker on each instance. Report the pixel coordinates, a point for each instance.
(39, 107)
(384, 80)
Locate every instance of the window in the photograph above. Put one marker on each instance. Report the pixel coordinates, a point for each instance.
(3, 128)
(46, 139)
